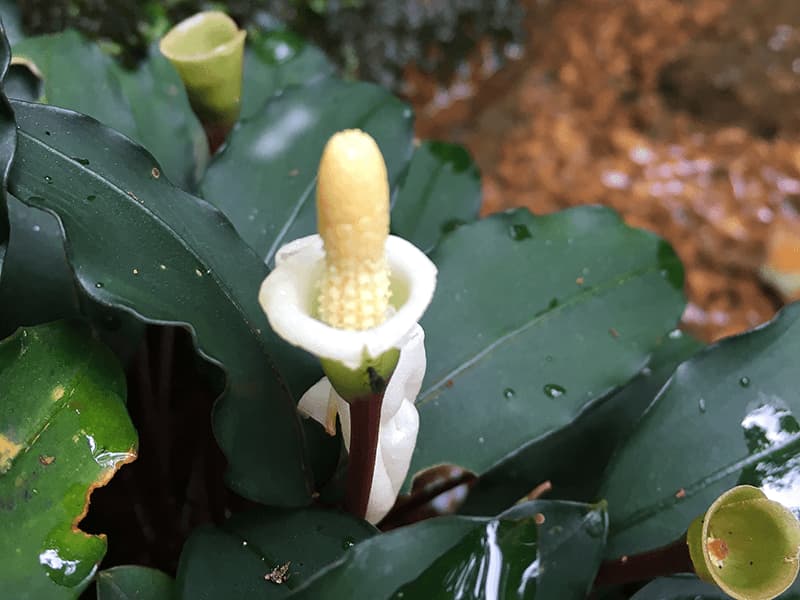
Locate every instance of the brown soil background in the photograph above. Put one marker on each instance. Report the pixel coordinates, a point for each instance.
(683, 115)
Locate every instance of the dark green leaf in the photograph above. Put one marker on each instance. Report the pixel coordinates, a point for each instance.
(134, 583)
(64, 431)
(231, 561)
(78, 75)
(688, 587)
(37, 284)
(534, 320)
(8, 141)
(441, 191)
(165, 123)
(140, 244)
(148, 105)
(574, 459)
(22, 83)
(265, 178)
(274, 61)
(507, 557)
(727, 416)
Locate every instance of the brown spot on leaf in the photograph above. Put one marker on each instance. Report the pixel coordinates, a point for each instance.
(579, 281)
(46, 460)
(155, 173)
(538, 518)
(57, 393)
(614, 333)
(681, 493)
(279, 574)
(449, 383)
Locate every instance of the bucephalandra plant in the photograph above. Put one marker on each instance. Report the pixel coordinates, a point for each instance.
(275, 360)
(352, 296)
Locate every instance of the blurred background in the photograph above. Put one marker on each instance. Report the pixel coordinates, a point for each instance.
(683, 115)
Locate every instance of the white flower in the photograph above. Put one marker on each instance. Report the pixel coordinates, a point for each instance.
(288, 296)
(399, 422)
(353, 296)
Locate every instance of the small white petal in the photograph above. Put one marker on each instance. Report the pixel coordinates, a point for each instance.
(399, 423)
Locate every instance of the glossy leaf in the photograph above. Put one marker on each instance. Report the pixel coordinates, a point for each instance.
(165, 123)
(64, 431)
(37, 284)
(140, 244)
(574, 459)
(232, 561)
(265, 178)
(689, 587)
(727, 416)
(517, 555)
(8, 140)
(535, 319)
(274, 61)
(680, 587)
(134, 583)
(441, 191)
(148, 105)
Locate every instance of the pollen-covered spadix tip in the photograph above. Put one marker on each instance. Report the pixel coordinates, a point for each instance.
(353, 221)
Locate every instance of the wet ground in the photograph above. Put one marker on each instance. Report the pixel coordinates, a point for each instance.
(683, 115)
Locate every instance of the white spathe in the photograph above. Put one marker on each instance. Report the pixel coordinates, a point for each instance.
(399, 422)
(288, 297)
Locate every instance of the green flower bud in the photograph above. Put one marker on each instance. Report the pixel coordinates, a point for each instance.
(207, 50)
(746, 544)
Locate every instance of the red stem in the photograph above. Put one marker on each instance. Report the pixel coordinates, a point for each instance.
(667, 560)
(365, 421)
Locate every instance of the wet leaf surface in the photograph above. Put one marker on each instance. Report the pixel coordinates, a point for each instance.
(139, 244)
(134, 583)
(148, 105)
(727, 416)
(233, 560)
(64, 430)
(535, 319)
(541, 549)
(574, 459)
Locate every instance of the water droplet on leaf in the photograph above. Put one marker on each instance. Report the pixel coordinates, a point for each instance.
(701, 404)
(553, 390)
(508, 393)
(48, 179)
(348, 542)
(744, 382)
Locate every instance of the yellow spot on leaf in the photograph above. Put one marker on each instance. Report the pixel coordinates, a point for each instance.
(57, 393)
(8, 451)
